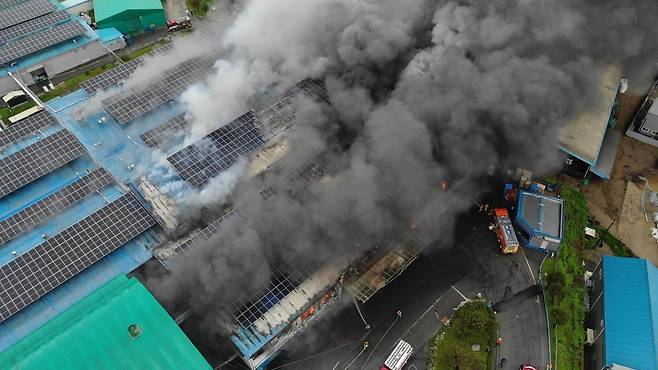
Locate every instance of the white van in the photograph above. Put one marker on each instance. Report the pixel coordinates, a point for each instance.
(399, 357)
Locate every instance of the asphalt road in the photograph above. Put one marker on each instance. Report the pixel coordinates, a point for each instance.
(428, 290)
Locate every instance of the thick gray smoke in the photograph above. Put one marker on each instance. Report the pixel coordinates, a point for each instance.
(422, 92)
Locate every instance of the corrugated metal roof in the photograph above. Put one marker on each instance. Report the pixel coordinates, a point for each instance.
(630, 312)
(541, 213)
(93, 334)
(104, 9)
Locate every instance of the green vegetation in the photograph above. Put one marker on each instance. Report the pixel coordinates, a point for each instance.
(563, 280)
(73, 83)
(618, 247)
(474, 323)
(199, 7)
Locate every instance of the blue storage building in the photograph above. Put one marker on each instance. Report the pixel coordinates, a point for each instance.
(539, 221)
(622, 321)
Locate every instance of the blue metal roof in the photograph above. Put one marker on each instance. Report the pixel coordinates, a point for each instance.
(108, 35)
(117, 151)
(630, 300)
(540, 214)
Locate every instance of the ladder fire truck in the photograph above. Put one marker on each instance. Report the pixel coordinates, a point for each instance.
(509, 244)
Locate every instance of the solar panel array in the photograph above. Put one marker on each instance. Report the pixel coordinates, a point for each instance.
(197, 239)
(22, 12)
(129, 105)
(8, 3)
(292, 182)
(161, 134)
(39, 41)
(26, 127)
(285, 279)
(218, 150)
(118, 74)
(53, 204)
(280, 115)
(112, 77)
(38, 159)
(40, 270)
(32, 26)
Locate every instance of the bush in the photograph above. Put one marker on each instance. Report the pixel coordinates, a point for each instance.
(555, 282)
(474, 318)
(460, 357)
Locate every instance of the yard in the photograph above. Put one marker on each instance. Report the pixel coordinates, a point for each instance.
(473, 324)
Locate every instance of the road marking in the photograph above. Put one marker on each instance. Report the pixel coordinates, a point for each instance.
(458, 292)
(423, 315)
(534, 280)
(379, 341)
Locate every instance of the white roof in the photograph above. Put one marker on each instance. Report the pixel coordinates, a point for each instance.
(584, 134)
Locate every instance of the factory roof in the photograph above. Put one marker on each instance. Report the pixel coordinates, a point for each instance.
(540, 214)
(54, 208)
(583, 136)
(119, 326)
(104, 9)
(38, 39)
(630, 289)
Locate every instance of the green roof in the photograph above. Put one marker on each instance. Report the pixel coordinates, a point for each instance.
(104, 9)
(94, 334)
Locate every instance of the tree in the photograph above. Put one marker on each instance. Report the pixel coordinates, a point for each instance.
(473, 319)
(461, 357)
(555, 284)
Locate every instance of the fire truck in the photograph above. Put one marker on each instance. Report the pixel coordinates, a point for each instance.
(509, 244)
(399, 357)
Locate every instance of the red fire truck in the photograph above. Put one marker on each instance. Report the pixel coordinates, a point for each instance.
(509, 244)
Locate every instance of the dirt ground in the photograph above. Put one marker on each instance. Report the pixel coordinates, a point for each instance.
(619, 198)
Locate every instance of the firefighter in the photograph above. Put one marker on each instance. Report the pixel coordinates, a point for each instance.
(399, 313)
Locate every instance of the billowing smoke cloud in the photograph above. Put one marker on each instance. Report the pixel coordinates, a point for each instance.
(422, 92)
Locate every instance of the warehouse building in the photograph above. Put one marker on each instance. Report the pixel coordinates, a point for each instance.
(590, 139)
(130, 16)
(119, 326)
(622, 319)
(539, 220)
(39, 40)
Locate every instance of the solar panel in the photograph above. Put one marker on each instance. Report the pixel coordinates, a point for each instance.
(112, 77)
(38, 159)
(40, 270)
(53, 204)
(32, 26)
(8, 3)
(203, 235)
(285, 278)
(39, 41)
(26, 127)
(280, 115)
(22, 12)
(118, 74)
(129, 105)
(218, 150)
(294, 181)
(161, 134)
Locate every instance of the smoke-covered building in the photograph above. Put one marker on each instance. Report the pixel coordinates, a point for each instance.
(622, 317)
(590, 139)
(40, 40)
(539, 220)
